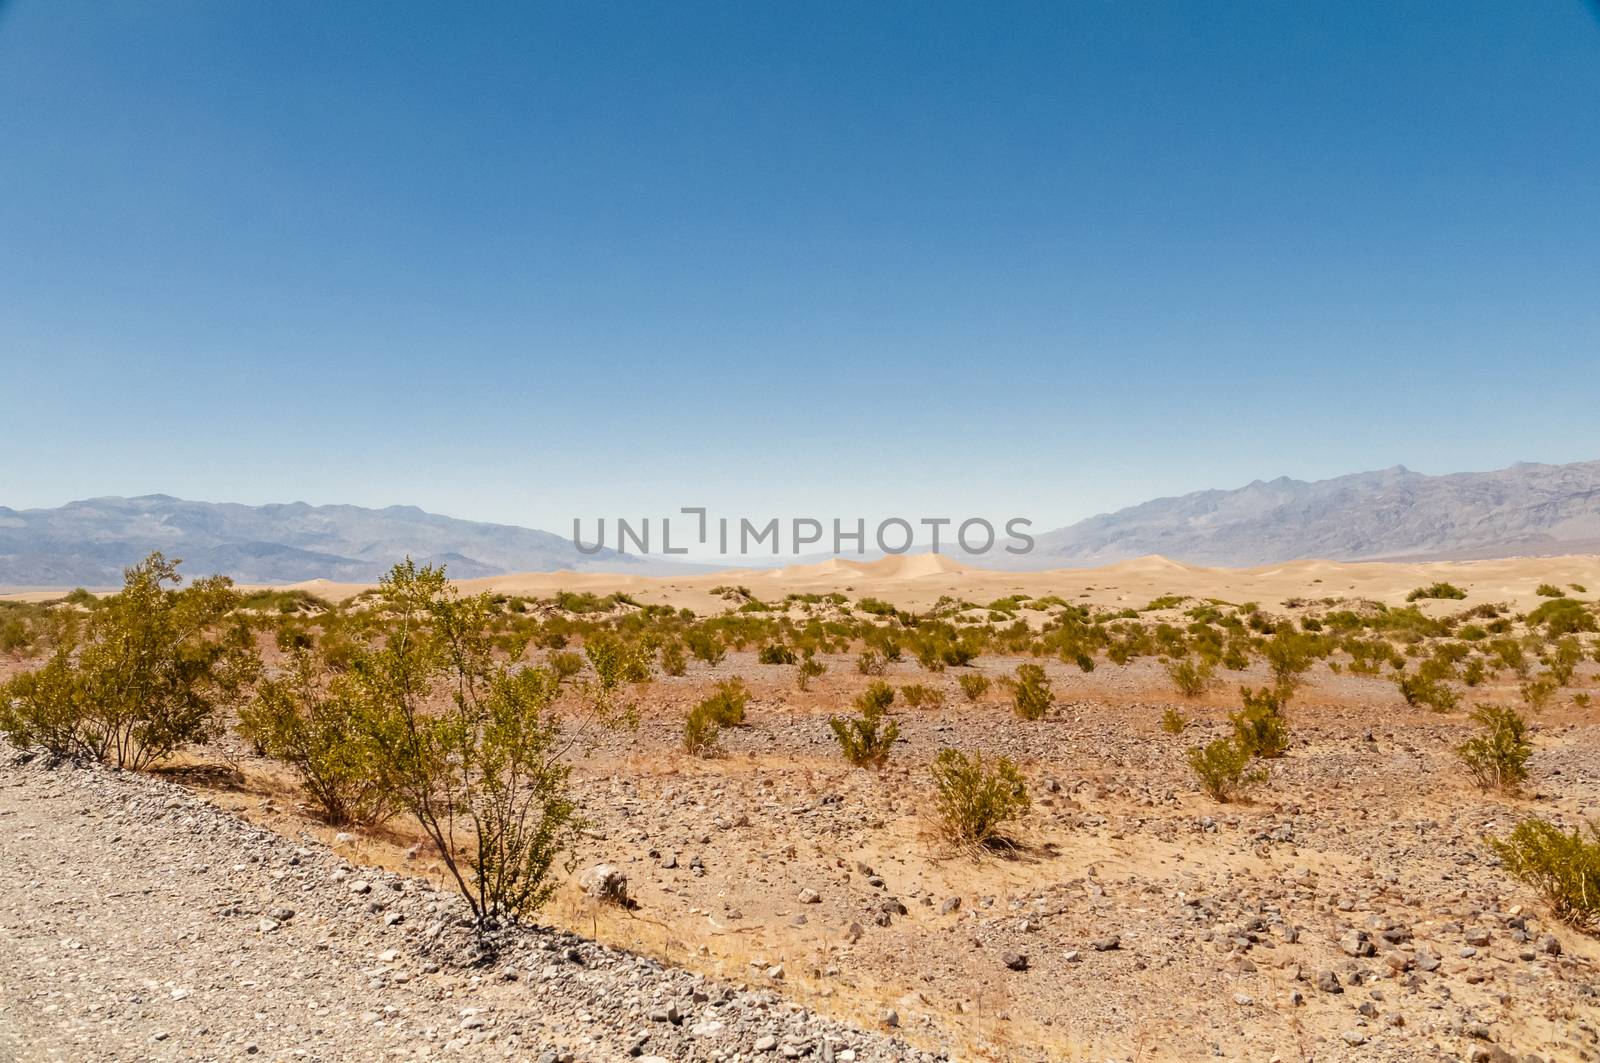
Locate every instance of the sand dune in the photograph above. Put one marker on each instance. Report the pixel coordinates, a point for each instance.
(915, 581)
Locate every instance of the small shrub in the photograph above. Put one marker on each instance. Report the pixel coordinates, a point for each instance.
(702, 731)
(673, 661)
(974, 802)
(1290, 655)
(1536, 693)
(566, 663)
(1437, 590)
(775, 653)
(919, 696)
(1426, 688)
(1031, 696)
(1260, 728)
(866, 739)
(705, 646)
(810, 669)
(1223, 768)
(1189, 678)
(1497, 758)
(871, 662)
(974, 685)
(728, 704)
(1173, 722)
(318, 725)
(1563, 868)
(1549, 590)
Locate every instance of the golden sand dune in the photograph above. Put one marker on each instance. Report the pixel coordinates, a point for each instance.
(918, 580)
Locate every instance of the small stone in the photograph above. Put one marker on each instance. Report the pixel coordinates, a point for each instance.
(950, 904)
(267, 926)
(1549, 945)
(1328, 982)
(1107, 944)
(1016, 961)
(360, 886)
(606, 883)
(766, 1043)
(810, 896)
(1353, 1038)
(1477, 937)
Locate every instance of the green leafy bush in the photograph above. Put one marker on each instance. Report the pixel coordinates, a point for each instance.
(1189, 678)
(673, 661)
(1563, 868)
(810, 669)
(974, 685)
(1173, 722)
(1223, 769)
(973, 801)
(317, 721)
(1437, 590)
(1260, 728)
(867, 738)
(775, 653)
(1498, 758)
(919, 696)
(1549, 590)
(144, 678)
(1031, 695)
(471, 747)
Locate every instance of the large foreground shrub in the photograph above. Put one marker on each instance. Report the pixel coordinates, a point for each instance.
(319, 724)
(144, 676)
(1497, 758)
(974, 801)
(1564, 868)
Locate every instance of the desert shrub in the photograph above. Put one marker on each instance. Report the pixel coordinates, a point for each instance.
(1223, 769)
(974, 685)
(705, 646)
(1564, 660)
(775, 653)
(566, 663)
(1427, 687)
(1536, 693)
(1549, 590)
(973, 802)
(1189, 678)
(145, 677)
(673, 662)
(471, 747)
(1437, 590)
(1289, 655)
(810, 669)
(702, 731)
(867, 738)
(918, 696)
(1563, 616)
(1563, 868)
(1260, 727)
(1498, 757)
(872, 662)
(728, 703)
(875, 607)
(616, 660)
(1031, 695)
(1474, 673)
(1173, 722)
(314, 719)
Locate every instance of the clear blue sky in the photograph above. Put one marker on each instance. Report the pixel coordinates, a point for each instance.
(529, 261)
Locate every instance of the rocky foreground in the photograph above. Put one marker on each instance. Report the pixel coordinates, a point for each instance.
(138, 922)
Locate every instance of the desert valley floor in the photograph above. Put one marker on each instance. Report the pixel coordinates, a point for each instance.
(1349, 908)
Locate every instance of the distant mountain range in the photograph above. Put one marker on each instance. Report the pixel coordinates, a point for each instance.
(1391, 514)
(89, 543)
